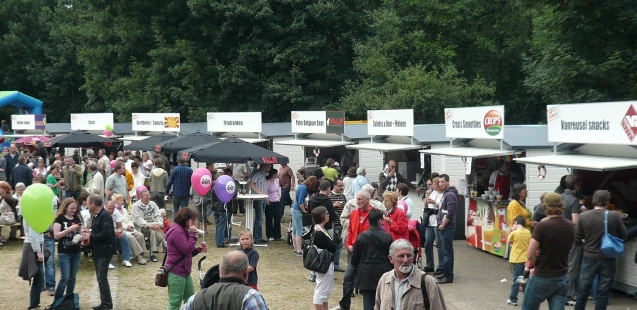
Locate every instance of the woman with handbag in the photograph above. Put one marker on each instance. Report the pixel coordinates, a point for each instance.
(181, 239)
(32, 264)
(322, 240)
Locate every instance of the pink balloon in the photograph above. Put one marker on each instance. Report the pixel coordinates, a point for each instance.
(225, 188)
(139, 190)
(401, 204)
(201, 180)
(108, 133)
(113, 162)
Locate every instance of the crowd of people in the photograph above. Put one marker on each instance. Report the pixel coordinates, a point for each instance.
(554, 256)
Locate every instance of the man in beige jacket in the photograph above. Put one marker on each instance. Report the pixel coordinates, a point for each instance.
(406, 281)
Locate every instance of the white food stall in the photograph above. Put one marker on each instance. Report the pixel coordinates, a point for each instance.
(604, 155)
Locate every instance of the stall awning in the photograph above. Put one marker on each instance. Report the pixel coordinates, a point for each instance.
(133, 138)
(313, 143)
(585, 162)
(473, 152)
(384, 147)
(250, 140)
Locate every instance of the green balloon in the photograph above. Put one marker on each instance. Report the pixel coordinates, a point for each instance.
(37, 207)
(109, 127)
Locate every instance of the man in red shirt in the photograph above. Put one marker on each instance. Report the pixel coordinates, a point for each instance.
(358, 223)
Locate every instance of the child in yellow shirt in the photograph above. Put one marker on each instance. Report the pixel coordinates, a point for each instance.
(519, 240)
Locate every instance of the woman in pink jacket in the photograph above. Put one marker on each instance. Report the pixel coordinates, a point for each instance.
(181, 238)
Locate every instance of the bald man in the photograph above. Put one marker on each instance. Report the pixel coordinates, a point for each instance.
(231, 292)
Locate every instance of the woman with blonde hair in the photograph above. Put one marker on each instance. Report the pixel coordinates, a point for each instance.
(395, 219)
(66, 230)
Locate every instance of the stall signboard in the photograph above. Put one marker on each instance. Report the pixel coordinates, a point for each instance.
(234, 122)
(23, 121)
(40, 121)
(390, 122)
(593, 123)
(92, 121)
(318, 122)
(156, 122)
(476, 122)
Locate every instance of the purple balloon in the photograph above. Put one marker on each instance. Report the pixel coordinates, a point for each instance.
(225, 188)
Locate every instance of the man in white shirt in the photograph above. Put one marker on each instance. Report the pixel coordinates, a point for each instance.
(95, 184)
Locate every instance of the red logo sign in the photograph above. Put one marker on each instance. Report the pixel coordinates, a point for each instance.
(184, 155)
(108, 143)
(157, 148)
(269, 160)
(47, 144)
(629, 123)
(336, 121)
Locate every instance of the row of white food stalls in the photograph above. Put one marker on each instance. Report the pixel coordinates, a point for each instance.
(603, 152)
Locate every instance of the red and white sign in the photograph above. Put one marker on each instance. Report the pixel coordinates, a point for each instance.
(476, 122)
(595, 123)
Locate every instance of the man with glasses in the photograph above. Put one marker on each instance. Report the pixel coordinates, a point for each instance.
(447, 227)
(390, 178)
(401, 288)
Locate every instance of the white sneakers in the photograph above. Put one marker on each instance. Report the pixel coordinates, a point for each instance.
(110, 266)
(127, 263)
(337, 308)
(509, 302)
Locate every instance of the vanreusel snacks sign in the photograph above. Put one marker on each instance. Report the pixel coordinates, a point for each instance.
(477, 122)
(595, 123)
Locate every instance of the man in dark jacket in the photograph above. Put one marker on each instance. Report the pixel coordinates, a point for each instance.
(102, 237)
(370, 258)
(12, 160)
(447, 227)
(21, 173)
(230, 292)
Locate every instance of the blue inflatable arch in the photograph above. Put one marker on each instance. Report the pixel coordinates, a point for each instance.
(28, 104)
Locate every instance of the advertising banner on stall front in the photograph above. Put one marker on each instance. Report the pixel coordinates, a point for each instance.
(40, 121)
(595, 123)
(318, 122)
(156, 122)
(234, 122)
(476, 122)
(390, 122)
(23, 121)
(92, 121)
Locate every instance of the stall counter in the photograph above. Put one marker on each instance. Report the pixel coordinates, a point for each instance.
(626, 274)
(487, 227)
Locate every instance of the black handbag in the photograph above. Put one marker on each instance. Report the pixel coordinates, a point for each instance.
(315, 259)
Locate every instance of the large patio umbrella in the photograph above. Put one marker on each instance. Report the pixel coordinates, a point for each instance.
(81, 139)
(148, 144)
(184, 142)
(31, 140)
(233, 150)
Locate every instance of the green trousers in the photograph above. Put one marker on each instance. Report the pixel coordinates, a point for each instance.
(179, 289)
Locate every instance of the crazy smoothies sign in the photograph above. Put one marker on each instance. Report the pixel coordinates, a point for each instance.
(477, 123)
(487, 228)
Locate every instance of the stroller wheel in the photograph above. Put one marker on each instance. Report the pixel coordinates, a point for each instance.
(289, 238)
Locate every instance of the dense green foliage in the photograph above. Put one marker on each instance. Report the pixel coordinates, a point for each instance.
(274, 56)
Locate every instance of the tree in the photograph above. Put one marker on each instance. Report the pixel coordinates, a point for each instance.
(584, 51)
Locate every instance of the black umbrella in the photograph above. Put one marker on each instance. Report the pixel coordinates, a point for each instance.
(149, 143)
(184, 142)
(81, 139)
(233, 150)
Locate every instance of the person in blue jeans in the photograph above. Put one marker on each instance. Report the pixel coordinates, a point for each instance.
(180, 183)
(259, 185)
(591, 226)
(553, 238)
(66, 227)
(49, 268)
(447, 227)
